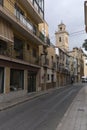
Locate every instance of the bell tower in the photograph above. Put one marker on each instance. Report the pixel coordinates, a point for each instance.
(62, 37)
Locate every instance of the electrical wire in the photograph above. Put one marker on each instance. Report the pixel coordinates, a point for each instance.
(81, 32)
(77, 33)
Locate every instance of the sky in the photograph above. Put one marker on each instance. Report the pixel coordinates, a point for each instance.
(71, 13)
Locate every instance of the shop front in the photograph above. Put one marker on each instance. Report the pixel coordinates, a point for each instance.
(16, 79)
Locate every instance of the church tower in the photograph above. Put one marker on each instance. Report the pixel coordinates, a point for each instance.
(62, 37)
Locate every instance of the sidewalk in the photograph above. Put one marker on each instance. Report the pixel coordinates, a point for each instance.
(76, 116)
(27, 97)
(14, 102)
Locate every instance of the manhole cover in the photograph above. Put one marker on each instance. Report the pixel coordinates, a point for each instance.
(81, 109)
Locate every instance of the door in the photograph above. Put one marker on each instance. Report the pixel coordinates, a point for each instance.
(31, 82)
(1, 79)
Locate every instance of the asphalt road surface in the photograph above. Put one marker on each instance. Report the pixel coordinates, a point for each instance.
(42, 113)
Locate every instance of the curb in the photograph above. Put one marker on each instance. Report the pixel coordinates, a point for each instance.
(10, 105)
(67, 112)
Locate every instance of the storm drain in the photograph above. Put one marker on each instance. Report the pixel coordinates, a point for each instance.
(81, 109)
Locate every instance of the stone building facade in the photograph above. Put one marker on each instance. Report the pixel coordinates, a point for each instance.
(78, 63)
(20, 39)
(62, 46)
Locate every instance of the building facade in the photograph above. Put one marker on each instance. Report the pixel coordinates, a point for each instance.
(48, 61)
(28, 61)
(78, 63)
(62, 47)
(20, 39)
(48, 69)
(62, 67)
(85, 65)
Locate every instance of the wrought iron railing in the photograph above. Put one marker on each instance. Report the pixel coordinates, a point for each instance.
(53, 65)
(22, 55)
(39, 9)
(46, 62)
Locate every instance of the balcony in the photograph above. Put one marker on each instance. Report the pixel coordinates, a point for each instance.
(44, 61)
(23, 26)
(11, 53)
(47, 41)
(63, 69)
(53, 65)
(58, 68)
(34, 9)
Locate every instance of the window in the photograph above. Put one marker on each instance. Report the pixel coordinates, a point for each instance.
(40, 4)
(19, 13)
(18, 44)
(52, 57)
(60, 39)
(1, 79)
(16, 80)
(61, 28)
(57, 65)
(34, 52)
(34, 30)
(3, 45)
(48, 77)
(28, 47)
(1, 2)
(36, 5)
(52, 78)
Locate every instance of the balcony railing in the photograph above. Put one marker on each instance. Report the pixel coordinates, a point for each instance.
(18, 17)
(22, 55)
(63, 69)
(46, 62)
(39, 9)
(53, 65)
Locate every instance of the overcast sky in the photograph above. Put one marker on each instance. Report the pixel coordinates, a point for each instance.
(71, 13)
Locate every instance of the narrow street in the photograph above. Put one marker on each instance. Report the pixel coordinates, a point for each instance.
(42, 113)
